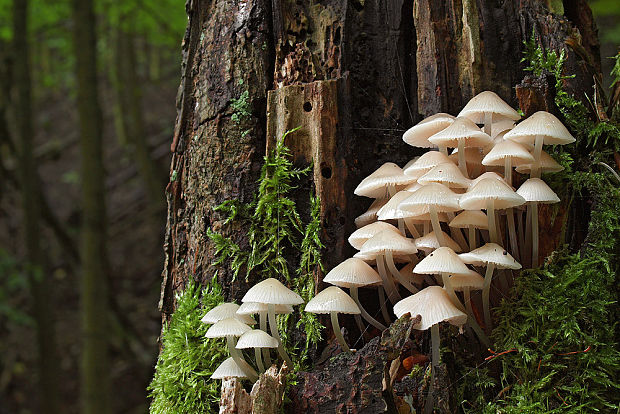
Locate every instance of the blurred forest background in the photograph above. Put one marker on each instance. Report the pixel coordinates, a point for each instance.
(44, 191)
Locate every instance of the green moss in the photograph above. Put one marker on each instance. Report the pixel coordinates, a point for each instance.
(241, 107)
(181, 382)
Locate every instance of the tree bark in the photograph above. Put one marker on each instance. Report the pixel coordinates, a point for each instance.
(95, 392)
(354, 75)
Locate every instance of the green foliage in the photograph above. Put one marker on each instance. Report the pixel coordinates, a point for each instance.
(276, 232)
(242, 109)
(181, 383)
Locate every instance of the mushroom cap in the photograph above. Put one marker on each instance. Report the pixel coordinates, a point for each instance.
(488, 174)
(547, 165)
(508, 149)
(376, 184)
(371, 258)
(536, 190)
(473, 280)
(228, 369)
(473, 156)
(441, 260)
(388, 240)
(461, 129)
(541, 123)
(361, 235)
(226, 310)
(490, 189)
(352, 272)
(486, 102)
(490, 253)
(332, 299)
(448, 174)
(370, 215)
(418, 134)
(433, 194)
(434, 305)
(426, 161)
(227, 327)
(391, 211)
(468, 218)
(429, 242)
(251, 308)
(256, 339)
(272, 291)
(407, 271)
(503, 125)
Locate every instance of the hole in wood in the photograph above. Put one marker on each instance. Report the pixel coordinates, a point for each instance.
(326, 171)
(307, 107)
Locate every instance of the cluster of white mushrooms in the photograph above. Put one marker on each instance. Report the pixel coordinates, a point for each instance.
(400, 239)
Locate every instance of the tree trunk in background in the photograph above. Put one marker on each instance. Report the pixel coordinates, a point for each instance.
(31, 203)
(355, 75)
(95, 393)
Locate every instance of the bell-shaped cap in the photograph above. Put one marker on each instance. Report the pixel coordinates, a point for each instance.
(407, 271)
(252, 308)
(488, 102)
(536, 190)
(256, 339)
(426, 161)
(447, 174)
(490, 189)
(352, 272)
(473, 156)
(272, 291)
(370, 215)
(418, 134)
(391, 210)
(332, 299)
(428, 242)
(508, 149)
(388, 240)
(361, 235)
(466, 218)
(461, 129)
(377, 183)
(227, 327)
(473, 281)
(501, 127)
(434, 305)
(442, 260)
(488, 174)
(490, 253)
(547, 165)
(226, 310)
(541, 123)
(433, 194)
(228, 369)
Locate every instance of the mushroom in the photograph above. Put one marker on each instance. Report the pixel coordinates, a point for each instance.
(540, 128)
(429, 243)
(272, 292)
(226, 310)
(464, 283)
(361, 235)
(423, 164)
(333, 300)
(352, 274)
(384, 181)
(228, 369)
(383, 246)
(370, 215)
(417, 135)
(546, 164)
(432, 198)
(231, 328)
(462, 133)
(488, 108)
(390, 211)
(257, 339)
(473, 160)
(471, 220)
(434, 306)
(492, 255)
(535, 191)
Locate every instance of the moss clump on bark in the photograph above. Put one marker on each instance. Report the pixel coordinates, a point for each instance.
(181, 382)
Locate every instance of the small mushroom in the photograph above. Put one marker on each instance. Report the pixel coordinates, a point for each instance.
(361, 235)
(423, 164)
(226, 310)
(231, 328)
(258, 340)
(471, 220)
(370, 215)
(333, 300)
(228, 369)
(417, 135)
(488, 108)
(383, 182)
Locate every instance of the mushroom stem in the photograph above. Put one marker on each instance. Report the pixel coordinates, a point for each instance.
(428, 406)
(444, 150)
(461, 153)
(273, 326)
(426, 227)
(467, 298)
(389, 259)
(259, 360)
(535, 171)
(412, 229)
(388, 283)
(263, 327)
(366, 315)
(528, 235)
(447, 285)
(236, 355)
(534, 235)
(401, 227)
(508, 170)
(488, 121)
(472, 237)
(456, 234)
(486, 288)
(471, 319)
(521, 231)
(337, 333)
(512, 231)
(384, 312)
(436, 226)
(491, 218)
